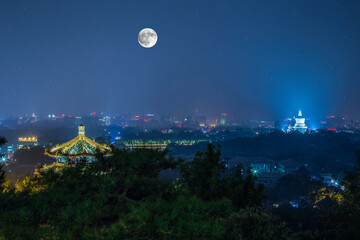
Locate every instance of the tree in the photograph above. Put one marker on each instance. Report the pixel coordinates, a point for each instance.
(205, 177)
(252, 224)
(202, 175)
(347, 212)
(122, 197)
(3, 179)
(245, 192)
(2, 141)
(187, 217)
(83, 199)
(340, 211)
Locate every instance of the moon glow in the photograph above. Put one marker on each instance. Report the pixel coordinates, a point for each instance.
(147, 37)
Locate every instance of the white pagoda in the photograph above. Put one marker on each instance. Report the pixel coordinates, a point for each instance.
(299, 124)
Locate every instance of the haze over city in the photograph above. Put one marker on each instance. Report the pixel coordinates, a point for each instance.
(254, 59)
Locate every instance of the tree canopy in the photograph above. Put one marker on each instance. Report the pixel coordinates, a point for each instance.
(122, 197)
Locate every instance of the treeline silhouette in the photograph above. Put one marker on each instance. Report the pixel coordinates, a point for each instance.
(322, 151)
(122, 197)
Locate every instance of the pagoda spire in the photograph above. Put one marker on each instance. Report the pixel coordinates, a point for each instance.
(81, 130)
(300, 114)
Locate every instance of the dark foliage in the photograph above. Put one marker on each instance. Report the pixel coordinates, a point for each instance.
(122, 197)
(2, 141)
(203, 177)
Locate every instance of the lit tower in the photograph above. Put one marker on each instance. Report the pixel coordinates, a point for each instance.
(299, 124)
(79, 147)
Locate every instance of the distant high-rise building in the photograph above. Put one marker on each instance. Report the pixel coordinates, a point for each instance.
(10, 152)
(202, 121)
(107, 120)
(188, 122)
(33, 118)
(165, 119)
(223, 119)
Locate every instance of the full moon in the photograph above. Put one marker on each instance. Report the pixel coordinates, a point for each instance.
(147, 37)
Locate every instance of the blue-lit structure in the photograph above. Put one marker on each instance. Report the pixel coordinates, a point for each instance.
(299, 124)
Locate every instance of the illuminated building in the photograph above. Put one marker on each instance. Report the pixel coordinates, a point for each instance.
(155, 146)
(333, 123)
(107, 120)
(10, 152)
(165, 120)
(27, 139)
(201, 120)
(223, 119)
(79, 147)
(20, 120)
(27, 142)
(266, 165)
(149, 117)
(34, 118)
(2, 156)
(188, 122)
(260, 124)
(266, 170)
(299, 124)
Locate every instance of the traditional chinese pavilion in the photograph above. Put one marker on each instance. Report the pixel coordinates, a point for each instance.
(79, 147)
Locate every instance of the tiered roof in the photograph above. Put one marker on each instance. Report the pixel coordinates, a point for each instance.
(81, 146)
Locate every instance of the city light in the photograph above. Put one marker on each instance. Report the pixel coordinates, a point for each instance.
(27, 139)
(255, 172)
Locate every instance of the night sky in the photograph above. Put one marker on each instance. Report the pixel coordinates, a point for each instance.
(254, 59)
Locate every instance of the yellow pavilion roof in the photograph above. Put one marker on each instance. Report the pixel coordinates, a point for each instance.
(81, 146)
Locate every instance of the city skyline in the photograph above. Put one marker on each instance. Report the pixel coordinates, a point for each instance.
(195, 113)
